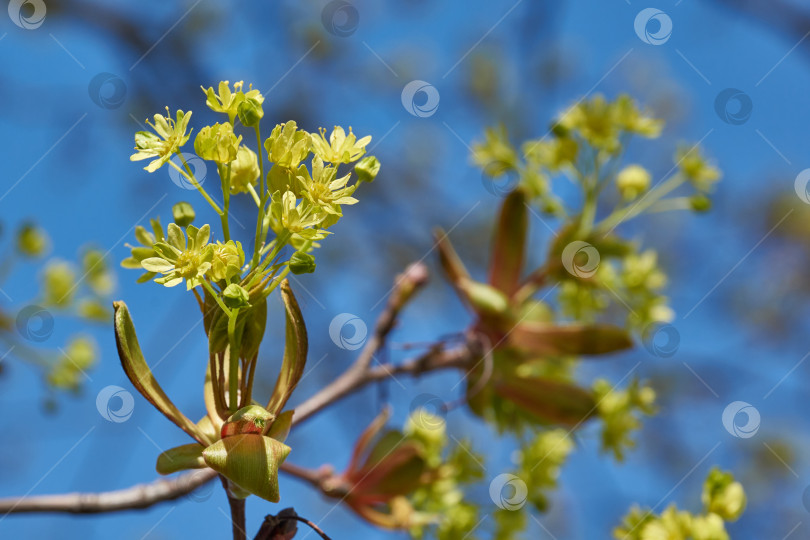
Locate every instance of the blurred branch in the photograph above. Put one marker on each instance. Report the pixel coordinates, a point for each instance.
(360, 374)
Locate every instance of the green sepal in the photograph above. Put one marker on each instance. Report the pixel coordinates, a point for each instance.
(295, 352)
(280, 428)
(136, 368)
(249, 461)
(180, 458)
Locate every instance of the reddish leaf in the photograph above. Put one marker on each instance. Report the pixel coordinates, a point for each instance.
(551, 340)
(509, 244)
(551, 401)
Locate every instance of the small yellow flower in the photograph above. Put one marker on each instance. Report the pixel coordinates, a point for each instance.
(340, 148)
(217, 143)
(171, 135)
(244, 170)
(178, 259)
(697, 169)
(323, 189)
(287, 146)
(286, 213)
(227, 260)
(227, 102)
(632, 181)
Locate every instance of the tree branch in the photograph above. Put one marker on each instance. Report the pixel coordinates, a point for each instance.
(360, 374)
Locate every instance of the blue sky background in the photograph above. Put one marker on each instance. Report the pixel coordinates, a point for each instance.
(738, 272)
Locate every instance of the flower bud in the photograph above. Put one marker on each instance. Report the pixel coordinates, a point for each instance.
(250, 112)
(32, 241)
(227, 260)
(367, 169)
(250, 419)
(245, 170)
(217, 143)
(700, 203)
(302, 263)
(632, 181)
(235, 296)
(183, 214)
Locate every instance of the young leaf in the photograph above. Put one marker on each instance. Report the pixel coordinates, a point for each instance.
(249, 461)
(367, 436)
(141, 376)
(449, 259)
(509, 247)
(295, 352)
(551, 401)
(179, 458)
(550, 340)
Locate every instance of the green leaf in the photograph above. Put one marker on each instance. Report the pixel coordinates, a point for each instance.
(509, 247)
(295, 352)
(551, 340)
(180, 458)
(249, 461)
(141, 376)
(551, 401)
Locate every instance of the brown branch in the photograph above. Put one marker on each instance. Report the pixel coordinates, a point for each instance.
(360, 374)
(132, 498)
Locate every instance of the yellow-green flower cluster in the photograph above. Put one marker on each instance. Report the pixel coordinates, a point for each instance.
(723, 501)
(601, 123)
(620, 411)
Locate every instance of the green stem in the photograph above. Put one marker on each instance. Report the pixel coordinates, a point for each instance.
(226, 198)
(633, 209)
(190, 177)
(256, 199)
(259, 201)
(214, 293)
(233, 362)
(281, 241)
